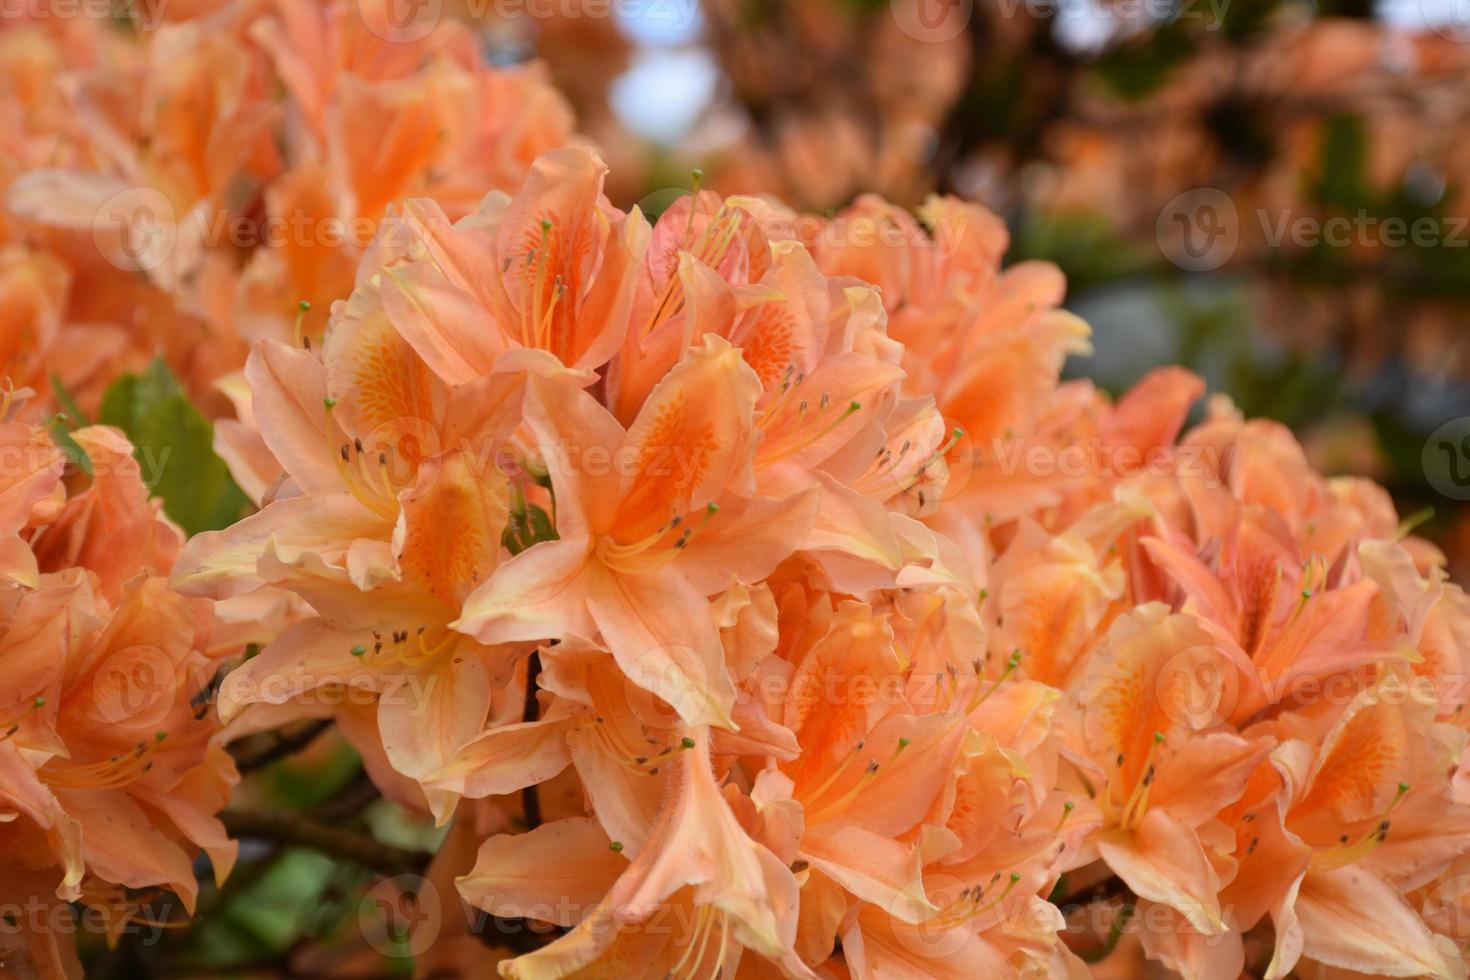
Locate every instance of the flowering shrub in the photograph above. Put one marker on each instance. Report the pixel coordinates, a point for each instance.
(745, 592)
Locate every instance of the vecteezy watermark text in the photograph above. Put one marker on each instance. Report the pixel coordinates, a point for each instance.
(1201, 229)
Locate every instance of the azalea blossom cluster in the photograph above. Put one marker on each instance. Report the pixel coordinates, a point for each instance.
(732, 545)
(211, 177)
(746, 591)
(111, 774)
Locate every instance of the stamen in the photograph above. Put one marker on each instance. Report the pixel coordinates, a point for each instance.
(654, 551)
(301, 310)
(808, 799)
(836, 806)
(983, 695)
(36, 704)
(785, 437)
(967, 906)
(1137, 803)
(111, 773)
(631, 759)
(371, 487)
(1067, 809)
(1346, 852)
(704, 918)
(696, 177)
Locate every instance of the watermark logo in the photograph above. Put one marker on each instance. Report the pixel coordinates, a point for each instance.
(401, 916)
(932, 21)
(1450, 19)
(400, 21)
(135, 229)
(1197, 688)
(134, 687)
(665, 686)
(145, 16)
(1446, 459)
(1199, 230)
(1446, 907)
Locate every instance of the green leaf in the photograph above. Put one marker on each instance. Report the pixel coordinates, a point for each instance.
(67, 403)
(174, 446)
(60, 427)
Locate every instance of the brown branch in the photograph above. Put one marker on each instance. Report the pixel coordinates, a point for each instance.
(298, 830)
(531, 711)
(284, 745)
(1109, 889)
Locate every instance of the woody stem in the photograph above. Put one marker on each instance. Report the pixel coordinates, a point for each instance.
(531, 711)
(284, 744)
(299, 830)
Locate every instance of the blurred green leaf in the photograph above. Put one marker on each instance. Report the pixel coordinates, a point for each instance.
(1136, 68)
(1083, 245)
(1342, 181)
(60, 427)
(263, 918)
(174, 444)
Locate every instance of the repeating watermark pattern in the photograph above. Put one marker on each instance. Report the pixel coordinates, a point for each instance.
(299, 685)
(1201, 229)
(401, 916)
(933, 21)
(401, 21)
(135, 687)
(1198, 688)
(44, 914)
(146, 15)
(832, 230)
(1446, 459)
(136, 229)
(139, 230)
(1102, 460)
(1450, 19)
(20, 461)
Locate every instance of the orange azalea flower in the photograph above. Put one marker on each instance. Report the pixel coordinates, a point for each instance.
(1297, 578)
(1354, 811)
(647, 529)
(397, 643)
(549, 268)
(688, 900)
(111, 773)
(383, 541)
(30, 493)
(1161, 767)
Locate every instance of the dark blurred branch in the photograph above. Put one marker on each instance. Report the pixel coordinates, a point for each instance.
(1108, 889)
(284, 744)
(531, 711)
(298, 830)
